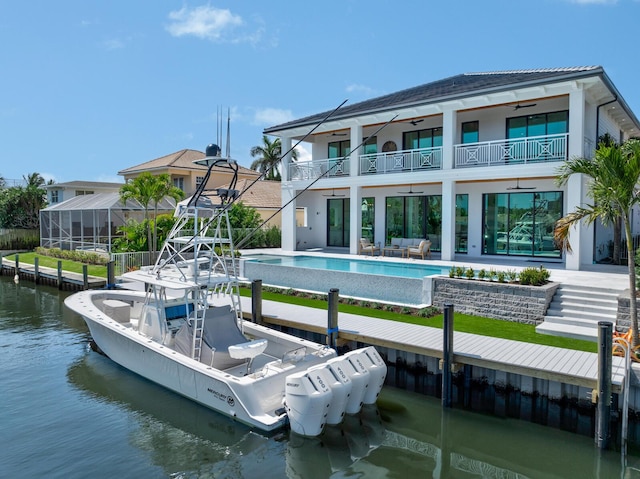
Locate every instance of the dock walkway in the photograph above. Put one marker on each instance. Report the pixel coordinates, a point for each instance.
(566, 366)
(50, 275)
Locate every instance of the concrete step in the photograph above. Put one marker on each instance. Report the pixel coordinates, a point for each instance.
(576, 321)
(568, 331)
(586, 299)
(572, 309)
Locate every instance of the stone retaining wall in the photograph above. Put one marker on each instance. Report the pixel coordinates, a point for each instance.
(510, 302)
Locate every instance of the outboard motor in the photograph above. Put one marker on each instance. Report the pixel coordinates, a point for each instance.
(371, 360)
(360, 377)
(307, 401)
(333, 374)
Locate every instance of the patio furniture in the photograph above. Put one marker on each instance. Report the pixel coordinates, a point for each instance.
(366, 246)
(392, 249)
(424, 248)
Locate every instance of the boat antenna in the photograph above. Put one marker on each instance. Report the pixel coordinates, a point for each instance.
(329, 170)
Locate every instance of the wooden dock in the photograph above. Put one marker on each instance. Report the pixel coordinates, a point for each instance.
(52, 276)
(550, 363)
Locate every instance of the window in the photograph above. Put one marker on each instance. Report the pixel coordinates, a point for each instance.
(370, 146)
(338, 149)
(414, 140)
(538, 125)
(462, 223)
(179, 183)
(521, 224)
(55, 198)
(368, 218)
(470, 132)
(83, 192)
(414, 217)
(199, 180)
(338, 222)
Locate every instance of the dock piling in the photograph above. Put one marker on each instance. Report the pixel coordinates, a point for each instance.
(332, 324)
(256, 301)
(60, 277)
(85, 277)
(604, 389)
(36, 270)
(111, 275)
(447, 356)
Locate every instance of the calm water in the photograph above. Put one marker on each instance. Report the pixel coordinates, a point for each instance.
(68, 412)
(352, 265)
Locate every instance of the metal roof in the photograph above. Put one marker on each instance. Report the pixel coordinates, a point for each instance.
(105, 201)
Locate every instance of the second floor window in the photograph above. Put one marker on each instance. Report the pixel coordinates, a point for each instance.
(414, 140)
(338, 149)
(470, 132)
(538, 125)
(55, 198)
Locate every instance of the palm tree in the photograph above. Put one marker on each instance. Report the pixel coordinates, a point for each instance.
(269, 156)
(614, 174)
(147, 188)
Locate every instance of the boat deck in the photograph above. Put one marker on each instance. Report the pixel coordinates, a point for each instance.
(538, 361)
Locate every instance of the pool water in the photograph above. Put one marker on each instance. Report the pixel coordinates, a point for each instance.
(350, 265)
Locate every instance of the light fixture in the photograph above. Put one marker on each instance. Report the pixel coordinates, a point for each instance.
(410, 192)
(518, 187)
(333, 194)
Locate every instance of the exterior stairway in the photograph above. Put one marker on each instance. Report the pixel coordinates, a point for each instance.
(575, 310)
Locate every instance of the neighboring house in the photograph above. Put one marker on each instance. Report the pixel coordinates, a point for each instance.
(90, 222)
(469, 162)
(184, 173)
(59, 192)
(266, 196)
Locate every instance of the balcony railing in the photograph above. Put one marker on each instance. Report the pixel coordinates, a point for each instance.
(533, 149)
(401, 161)
(310, 170)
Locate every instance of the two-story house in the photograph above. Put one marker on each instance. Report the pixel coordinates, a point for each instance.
(468, 161)
(59, 192)
(184, 173)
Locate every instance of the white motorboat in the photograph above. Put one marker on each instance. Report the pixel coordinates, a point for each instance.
(183, 329)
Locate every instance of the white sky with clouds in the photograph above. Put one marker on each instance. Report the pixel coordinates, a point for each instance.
(89, 88)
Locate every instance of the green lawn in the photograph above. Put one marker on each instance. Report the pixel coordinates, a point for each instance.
(462, 322)
(49, 262)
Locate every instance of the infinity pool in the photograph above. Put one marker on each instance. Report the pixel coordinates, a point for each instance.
(350, 265)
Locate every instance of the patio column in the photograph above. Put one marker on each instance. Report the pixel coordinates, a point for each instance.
(285, 143)
(354, 158)
(581, 241)
(449, 120)
(288, 218)
(447, 241)
(355, 218)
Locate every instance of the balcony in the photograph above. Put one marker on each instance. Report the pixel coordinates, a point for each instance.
(311, 170)
(401, 161)
(533, 149)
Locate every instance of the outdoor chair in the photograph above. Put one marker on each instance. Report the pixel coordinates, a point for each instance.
(424, 248)
(367, 246)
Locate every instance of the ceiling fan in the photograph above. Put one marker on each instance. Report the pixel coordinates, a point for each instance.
(410, 192)
(338, 134)
(518, 106)
(415, 122)
(518, 187)
(333, 194)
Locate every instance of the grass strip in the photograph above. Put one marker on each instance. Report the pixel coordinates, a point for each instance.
(462, 322)
(49, 262)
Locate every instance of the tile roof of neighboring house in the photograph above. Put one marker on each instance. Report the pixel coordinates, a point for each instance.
(180, 159)
(262, 194)
(455, 87)
(106, 201)
(84, 184)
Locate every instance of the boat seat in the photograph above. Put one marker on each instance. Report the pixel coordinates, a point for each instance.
(117, 310)
(248, 350)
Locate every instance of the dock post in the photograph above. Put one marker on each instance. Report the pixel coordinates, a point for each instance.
(36, 270)
(256, 301)
(605, 363)
(111, 276)
(447, 356)
(85, 276)
(60, 279)
(16, 272)
(332, 324)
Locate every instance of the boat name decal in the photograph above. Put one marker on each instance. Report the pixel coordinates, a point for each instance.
(293, 385)
(222, 397)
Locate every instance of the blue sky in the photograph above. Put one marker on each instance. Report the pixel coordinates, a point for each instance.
(88, 88)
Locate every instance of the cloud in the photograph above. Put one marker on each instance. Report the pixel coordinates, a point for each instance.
(113, 44)
(362, 89)
(303, 153)
(272, 116)
(204, 22)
